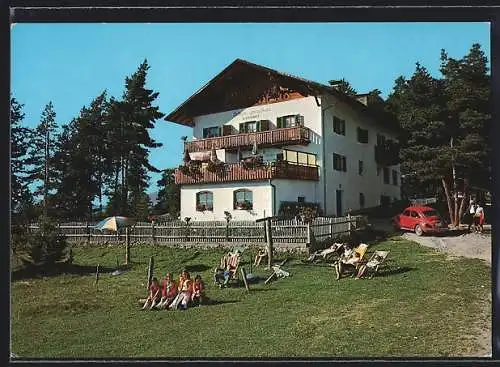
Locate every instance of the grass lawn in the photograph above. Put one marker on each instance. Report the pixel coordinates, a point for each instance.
(420, 305)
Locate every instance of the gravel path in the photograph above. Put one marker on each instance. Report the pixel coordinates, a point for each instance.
(470, 245)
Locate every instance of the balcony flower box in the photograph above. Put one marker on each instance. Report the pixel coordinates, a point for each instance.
(203, 207)
(243, 205)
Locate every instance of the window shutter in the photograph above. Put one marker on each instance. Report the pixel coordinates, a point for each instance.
(257, 126)
(342, 124)
(279, 122)
(220, 131)
(242, 128)
(344, 164)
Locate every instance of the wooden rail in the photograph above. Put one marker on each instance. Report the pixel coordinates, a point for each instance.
(237, 172)
(275, 137)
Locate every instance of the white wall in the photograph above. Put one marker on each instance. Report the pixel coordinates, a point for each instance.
(223, 201)
(350, 182)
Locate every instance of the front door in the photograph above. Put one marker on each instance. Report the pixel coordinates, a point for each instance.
(338, 200)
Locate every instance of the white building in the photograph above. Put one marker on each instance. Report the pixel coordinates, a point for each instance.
(317, 145)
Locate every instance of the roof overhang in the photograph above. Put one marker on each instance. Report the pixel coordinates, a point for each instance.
(242, 83)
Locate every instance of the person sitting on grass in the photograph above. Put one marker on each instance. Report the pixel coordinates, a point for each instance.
(185, 288)
(198, 297)
(154, 295)
(168, 291)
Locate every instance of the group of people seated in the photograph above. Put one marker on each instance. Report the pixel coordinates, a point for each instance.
(173, 295)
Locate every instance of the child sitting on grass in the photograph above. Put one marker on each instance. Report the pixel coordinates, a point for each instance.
(168, 291)
(198, 296)
(154, 295)
(185, 290)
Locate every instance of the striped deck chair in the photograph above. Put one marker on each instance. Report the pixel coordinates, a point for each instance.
(372, 266)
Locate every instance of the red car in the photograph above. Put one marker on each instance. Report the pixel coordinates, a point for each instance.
(420, 219)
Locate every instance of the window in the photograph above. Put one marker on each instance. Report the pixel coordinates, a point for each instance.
(301, 199)
(430, 213)
(413, 214)
(243, 199)
(362, 135)
(204, 201)
(361, 169)
(406, 213)
(210, 132)
(339, 162)
(302, 158)
(338, 125)
(395, 177)
(386, 175)
(290, 121)
(361, 200)
(254, 126)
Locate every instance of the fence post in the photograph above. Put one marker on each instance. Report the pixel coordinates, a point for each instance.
(150, 270)
(309, 232)
(269, 244)
(349, 224)
(127, 247)
(331, 227)
(88, 233)
(153, 232)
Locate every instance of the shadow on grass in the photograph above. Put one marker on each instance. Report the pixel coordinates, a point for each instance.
(72, 269)
(394, 271)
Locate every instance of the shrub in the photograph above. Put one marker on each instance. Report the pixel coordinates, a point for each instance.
(43, 247)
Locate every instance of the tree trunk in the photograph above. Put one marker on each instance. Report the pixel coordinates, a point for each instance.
(464, 200)
(448, 199)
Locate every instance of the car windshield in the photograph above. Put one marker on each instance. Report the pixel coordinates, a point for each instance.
(430, 213)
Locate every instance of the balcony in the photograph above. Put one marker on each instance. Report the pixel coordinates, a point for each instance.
(276, 137)
(238, 172)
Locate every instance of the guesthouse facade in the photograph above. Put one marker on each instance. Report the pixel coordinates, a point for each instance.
(263, 140)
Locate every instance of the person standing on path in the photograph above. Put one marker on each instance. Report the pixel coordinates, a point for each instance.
(471, 214)
(479, 218)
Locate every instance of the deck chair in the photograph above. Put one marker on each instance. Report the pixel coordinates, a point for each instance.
(331, 253)
(229, 263)
(373, 264)
(260, 255)
(351, 260)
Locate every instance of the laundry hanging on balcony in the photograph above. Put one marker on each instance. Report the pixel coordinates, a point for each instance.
(200, 156)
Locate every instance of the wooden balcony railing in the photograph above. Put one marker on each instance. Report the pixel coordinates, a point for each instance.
(238, 172)
(275, 137)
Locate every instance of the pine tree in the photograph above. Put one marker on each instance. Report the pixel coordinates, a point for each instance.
(41, 151)
(20, 137)
(343, 86)
(168, 200)
(419, 105)
(467, 88)
(132, 117)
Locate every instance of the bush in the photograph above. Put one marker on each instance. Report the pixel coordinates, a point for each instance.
(43, 247)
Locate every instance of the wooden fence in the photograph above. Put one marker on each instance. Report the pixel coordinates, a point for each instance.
(283, 231)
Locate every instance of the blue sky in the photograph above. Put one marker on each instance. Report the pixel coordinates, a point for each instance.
(70, 64)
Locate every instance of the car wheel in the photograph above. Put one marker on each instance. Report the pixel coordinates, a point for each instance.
(418, 230)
